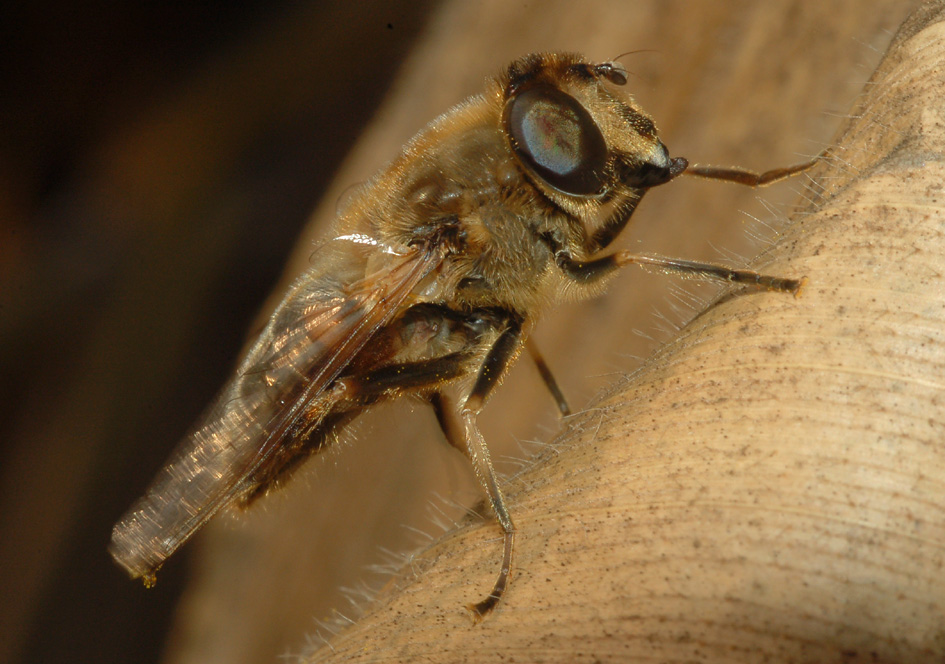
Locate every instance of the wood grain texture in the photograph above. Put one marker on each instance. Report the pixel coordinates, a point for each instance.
(768, 484)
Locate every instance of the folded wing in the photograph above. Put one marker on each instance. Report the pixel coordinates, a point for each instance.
(318, 329)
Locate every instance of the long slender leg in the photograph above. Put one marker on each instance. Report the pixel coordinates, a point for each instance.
(497, 360)
(697, 270)
(548, 378)
(599, 268)
(750, 178)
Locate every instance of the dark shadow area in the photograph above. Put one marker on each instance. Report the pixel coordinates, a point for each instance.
(157, 163)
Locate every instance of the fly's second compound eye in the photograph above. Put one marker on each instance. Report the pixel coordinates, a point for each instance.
(556, 139)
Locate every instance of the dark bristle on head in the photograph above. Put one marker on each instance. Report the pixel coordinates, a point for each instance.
(585, 71)
(523, 70)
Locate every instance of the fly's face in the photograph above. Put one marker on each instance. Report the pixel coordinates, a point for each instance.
(579, 143)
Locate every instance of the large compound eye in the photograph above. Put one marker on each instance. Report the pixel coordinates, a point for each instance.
(558, 140)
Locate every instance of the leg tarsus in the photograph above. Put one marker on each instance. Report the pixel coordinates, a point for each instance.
(483, 607)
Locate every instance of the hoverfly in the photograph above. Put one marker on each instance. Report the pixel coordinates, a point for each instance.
(435, 273)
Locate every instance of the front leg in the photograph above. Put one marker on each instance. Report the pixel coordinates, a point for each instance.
(593, 271)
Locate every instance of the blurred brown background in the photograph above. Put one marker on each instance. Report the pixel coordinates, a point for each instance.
(157, 166)
(157, 162)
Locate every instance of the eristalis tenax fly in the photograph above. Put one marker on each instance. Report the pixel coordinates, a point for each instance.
(433, 277)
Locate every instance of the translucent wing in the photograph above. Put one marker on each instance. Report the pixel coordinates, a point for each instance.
(318, 329)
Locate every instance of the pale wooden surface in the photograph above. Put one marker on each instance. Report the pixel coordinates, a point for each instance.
(763, 486)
